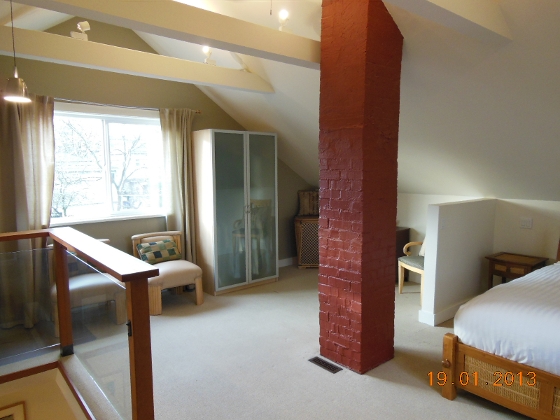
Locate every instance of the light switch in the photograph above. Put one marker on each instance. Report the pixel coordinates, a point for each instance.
(526, 223)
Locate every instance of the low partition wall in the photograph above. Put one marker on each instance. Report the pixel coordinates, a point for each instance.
(458, 237)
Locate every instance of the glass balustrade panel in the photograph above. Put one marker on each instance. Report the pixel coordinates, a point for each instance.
(26, 306)
(99, 330)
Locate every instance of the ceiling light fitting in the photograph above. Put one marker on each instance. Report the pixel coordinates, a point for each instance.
(16, 90)
(83, 27)
(208, 51)
(283, 18)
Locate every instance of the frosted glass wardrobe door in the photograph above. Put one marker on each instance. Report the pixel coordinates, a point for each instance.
(230, 209)
(262, 202)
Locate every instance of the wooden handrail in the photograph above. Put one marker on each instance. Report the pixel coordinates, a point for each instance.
(124, 267)
(120, 265)
(28, 234)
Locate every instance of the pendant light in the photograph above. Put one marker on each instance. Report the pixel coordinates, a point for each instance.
(16, 90)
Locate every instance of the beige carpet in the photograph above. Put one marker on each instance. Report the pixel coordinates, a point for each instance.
(245, 355)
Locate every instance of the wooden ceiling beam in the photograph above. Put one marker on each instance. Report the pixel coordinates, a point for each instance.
(179, 21)
(59, 49)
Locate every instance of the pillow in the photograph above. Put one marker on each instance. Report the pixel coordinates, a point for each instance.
(156, 252)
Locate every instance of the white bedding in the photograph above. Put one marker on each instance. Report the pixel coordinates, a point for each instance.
(519, 320)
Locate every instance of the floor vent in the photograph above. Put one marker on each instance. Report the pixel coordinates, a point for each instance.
(332, 368)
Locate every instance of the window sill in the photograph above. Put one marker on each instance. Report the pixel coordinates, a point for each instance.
(72, 222)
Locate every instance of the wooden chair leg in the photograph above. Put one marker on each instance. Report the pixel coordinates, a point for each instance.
(401, 278)
(199, 291)
(154, 294)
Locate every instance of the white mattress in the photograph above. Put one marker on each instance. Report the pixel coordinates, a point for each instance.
(519, 320)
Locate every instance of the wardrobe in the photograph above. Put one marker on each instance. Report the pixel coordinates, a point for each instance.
(235, 193)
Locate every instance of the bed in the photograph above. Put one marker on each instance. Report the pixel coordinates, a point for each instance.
(514, 359)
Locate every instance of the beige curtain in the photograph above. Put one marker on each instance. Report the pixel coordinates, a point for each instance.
(176, 127)
(26, 185)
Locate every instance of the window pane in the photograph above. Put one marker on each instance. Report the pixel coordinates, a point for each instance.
(135, 151)
(79, 186)
(106, 166)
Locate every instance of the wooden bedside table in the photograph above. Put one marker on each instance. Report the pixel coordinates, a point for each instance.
(512, 266)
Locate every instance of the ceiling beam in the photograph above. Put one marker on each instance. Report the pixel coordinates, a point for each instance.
(482, 19)
(59, 49)
(179, 21)
(22, 11)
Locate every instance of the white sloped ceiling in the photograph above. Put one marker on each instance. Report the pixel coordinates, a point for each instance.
(479, 99)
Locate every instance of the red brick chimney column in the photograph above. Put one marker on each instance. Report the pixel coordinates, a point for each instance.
(361, 51)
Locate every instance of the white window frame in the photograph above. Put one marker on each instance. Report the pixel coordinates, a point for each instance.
(109, 114)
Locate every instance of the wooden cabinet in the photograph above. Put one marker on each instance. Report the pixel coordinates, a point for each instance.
(236, 208)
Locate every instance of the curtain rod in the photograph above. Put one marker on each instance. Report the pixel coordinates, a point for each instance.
(71, 101)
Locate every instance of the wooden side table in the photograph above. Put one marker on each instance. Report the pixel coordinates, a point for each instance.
(511, 266)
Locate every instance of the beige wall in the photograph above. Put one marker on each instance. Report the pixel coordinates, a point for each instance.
(101, 87)
(119, 231)
(73, 83)
(46, 397)
(96, 86)
(115, 89)
(288, 185)
(104, 33)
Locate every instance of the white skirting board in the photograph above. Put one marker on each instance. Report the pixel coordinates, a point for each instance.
(437, 318)
(287, 261)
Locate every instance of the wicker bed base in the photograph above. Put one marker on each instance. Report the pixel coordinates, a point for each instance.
(532, 392)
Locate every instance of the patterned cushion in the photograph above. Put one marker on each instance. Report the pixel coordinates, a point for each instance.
(156, 252)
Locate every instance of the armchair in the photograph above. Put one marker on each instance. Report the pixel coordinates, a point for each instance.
(414, 263)
(163, 249)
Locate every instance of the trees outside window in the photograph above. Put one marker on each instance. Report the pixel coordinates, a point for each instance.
(106, 166)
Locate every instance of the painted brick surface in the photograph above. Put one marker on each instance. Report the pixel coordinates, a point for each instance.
(361, 51)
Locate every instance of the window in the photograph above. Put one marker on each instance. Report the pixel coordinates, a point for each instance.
(106, 165)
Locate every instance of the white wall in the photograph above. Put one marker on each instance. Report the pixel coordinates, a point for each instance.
(459, 236)
(541, 240)
(412, 212)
